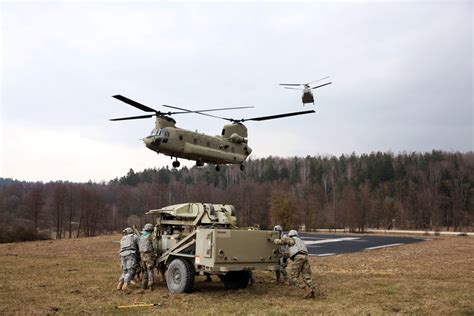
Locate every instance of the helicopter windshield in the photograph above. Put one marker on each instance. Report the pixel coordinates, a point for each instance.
(160, 132)
(164, 133)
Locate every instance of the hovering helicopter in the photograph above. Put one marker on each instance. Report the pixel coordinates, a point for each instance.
(307, 96)
(229, 148)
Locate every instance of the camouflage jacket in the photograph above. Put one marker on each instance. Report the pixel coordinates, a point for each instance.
(295, 245)
(147, 242)
(284, 241)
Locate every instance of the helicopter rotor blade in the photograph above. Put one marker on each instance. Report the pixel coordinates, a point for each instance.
(277, 116)
(134, 103)
(157, 113)
(293, 88)
(261, 118)
(146, 116)
(291, 84)
(199, 112)
(321, 85)
(207, 110)
(132, 117)
(318, 80)
(224, 109)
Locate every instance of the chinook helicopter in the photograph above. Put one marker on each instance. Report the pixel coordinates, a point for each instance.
(307, 96)
(229, 148)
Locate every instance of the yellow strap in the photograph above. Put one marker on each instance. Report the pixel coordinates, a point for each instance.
(136, 305)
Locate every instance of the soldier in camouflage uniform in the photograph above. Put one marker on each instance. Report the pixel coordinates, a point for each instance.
(138, 267)
(299, 255)
(128, 258)
(283, 258)
(147, 246)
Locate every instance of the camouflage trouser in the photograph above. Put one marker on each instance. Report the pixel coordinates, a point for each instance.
(282, 264)
(301, 266)
(127, 264)
(148, 264)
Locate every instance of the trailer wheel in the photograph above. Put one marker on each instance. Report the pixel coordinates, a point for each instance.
(180, 276)
(236, 280)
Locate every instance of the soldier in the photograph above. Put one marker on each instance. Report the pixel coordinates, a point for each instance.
(299, 255)
(283, 257)
(147, 248)
(128, 259)
(138, 266)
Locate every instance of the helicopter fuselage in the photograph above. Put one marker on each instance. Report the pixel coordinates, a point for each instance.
(307, 96)
(173, 141)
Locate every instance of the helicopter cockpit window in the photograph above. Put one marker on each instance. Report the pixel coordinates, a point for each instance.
(154, 132)
(163, 132)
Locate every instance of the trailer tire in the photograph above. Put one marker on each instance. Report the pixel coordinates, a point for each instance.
(180, 276)
(236, 280)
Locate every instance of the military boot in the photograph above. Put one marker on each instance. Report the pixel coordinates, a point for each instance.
(125, 286)
(119, 285)
(309, 292)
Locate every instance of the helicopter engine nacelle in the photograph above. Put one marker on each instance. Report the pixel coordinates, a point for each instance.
(236, 138)
(235, 128)
(164, 121)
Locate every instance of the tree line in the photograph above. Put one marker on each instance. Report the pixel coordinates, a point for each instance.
(425, 191)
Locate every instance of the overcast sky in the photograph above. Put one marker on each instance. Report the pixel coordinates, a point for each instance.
(401, 73)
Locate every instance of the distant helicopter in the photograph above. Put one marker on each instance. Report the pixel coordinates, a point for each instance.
(307, 96)
(229, 148)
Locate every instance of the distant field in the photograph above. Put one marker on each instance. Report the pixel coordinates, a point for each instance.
(80, 275)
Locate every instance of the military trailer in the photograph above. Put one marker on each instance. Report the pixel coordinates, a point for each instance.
(202, 238)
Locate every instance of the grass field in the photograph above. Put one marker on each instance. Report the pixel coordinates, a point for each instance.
(79, 276)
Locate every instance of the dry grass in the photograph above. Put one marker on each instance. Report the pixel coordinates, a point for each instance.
(79, 276)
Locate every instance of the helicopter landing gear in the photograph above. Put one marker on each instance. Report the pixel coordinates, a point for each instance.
(242, 167)
(218, 168)
(176, 163)
(199, 163)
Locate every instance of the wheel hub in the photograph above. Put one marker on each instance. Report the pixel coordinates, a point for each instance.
(177, 277)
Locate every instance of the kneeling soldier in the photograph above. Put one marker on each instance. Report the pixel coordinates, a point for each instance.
(299, 255)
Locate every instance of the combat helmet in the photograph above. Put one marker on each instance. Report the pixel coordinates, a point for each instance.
(148, 227)
(127, 231)
(277, 228)
(293, 233)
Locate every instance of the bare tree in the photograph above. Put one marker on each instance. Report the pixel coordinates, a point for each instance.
(35, 203)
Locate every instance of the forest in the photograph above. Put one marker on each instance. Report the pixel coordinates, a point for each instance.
(423, 191)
